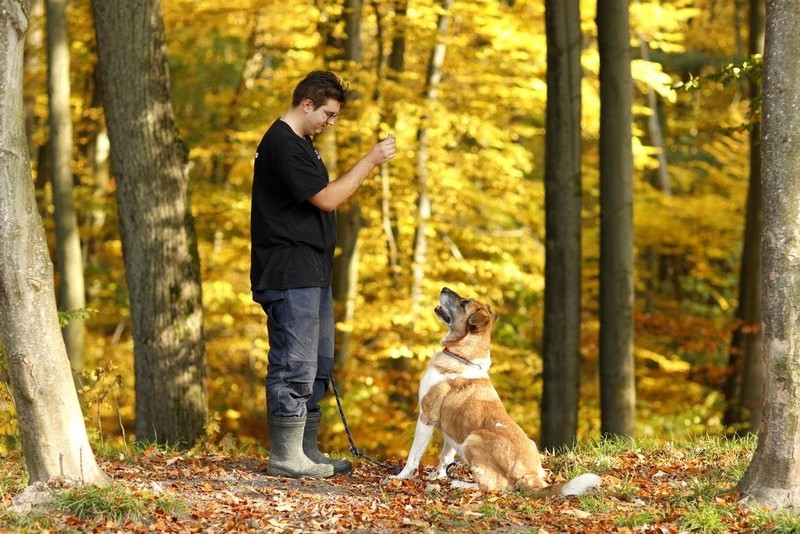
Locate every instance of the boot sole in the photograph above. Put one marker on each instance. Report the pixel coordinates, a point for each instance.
(278, 472)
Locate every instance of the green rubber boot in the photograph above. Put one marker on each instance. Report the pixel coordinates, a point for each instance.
(311, 448)
(286, 457)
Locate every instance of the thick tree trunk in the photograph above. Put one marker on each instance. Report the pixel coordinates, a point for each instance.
(158, 237)
(617, 389)
(51, 427)
(562, 290)
(68, 243)
(773, 477)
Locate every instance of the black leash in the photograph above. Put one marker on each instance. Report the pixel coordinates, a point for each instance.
(353, 449)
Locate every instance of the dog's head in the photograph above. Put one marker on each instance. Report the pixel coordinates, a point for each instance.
(464, 316)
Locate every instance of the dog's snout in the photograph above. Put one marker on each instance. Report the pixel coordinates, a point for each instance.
(443, 315)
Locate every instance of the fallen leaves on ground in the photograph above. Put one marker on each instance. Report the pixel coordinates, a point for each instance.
(641, 492)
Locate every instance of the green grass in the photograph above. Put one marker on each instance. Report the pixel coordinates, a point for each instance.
(490, 510)
(768, 522)
(708, 519)
(113, 503)
(638, 519)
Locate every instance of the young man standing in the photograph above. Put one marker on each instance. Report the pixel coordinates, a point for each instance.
(293, 237)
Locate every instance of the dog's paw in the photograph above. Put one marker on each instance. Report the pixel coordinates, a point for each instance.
(404, 474)
(437, 474)
(464, 484)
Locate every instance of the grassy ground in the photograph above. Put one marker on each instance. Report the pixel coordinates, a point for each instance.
(647, 486)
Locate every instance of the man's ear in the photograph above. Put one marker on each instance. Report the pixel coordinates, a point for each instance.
(307, 104)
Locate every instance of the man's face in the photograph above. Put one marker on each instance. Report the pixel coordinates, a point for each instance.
(323, 116)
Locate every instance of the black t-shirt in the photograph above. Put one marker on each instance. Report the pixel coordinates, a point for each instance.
(292, 241)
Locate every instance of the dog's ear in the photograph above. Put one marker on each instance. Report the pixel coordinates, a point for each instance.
(482, 318)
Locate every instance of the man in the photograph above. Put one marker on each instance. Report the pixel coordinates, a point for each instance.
(293, 236)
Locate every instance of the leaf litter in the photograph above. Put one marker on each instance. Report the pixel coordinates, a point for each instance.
(643, 492)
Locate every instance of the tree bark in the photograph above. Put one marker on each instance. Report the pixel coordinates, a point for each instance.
(68, 244)
(34, 43)
(562, 289)
(396, 66)
(424, 201)
(349, 220)
(617, 388)
(51, 427)
(159, 244)
(773, 477)
(745, 384)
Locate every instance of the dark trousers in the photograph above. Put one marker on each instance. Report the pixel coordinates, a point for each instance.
(300, 328)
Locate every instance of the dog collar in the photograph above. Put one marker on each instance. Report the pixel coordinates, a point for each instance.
(460, 358)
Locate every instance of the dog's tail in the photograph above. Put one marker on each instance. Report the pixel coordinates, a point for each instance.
(580, 485)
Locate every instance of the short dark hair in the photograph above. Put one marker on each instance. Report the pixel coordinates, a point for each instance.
(320, 86)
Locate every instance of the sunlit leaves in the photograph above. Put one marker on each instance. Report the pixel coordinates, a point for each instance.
(485, 165)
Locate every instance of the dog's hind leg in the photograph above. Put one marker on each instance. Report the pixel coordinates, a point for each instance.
(446, 457)
(422, 436)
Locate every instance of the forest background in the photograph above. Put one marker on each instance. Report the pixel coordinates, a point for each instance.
(233, 66)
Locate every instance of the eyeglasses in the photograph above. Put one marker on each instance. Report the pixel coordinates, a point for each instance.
(331, 116)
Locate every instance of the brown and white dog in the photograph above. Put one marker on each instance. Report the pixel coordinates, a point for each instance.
(457, 396)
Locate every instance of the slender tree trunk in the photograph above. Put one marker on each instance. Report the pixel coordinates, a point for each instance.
(98, 154)
(662, 182)
(396, 65)
(158, 238)
(773, 477)
(68, 243)
(745, 385)
(349, 220)
(51, 427)
(34, 42)
(253, 65)
(617, 389)
(424, 201)
(562, 291)
(345, 287)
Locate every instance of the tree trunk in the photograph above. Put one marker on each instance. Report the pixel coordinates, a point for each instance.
(51, 427)
(745, 385)
(68, 243)
(662, 180)
(34, 43)
(396, 67)
(773, 477)
(562, 290)
(98, 156)
(158, 238)
(424, 200)
(252, 68)
(349, 221)
(617, 389)
(345, 288)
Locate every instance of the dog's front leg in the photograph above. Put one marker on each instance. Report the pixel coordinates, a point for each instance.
(422, 436)
(446, 457)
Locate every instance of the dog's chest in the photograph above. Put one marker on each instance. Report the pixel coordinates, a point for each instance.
(435, 375)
